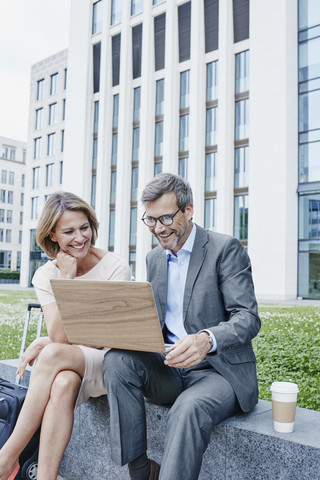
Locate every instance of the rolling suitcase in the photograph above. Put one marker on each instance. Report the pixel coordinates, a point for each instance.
(12, 396)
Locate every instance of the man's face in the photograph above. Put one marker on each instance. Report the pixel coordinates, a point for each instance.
(170, 237)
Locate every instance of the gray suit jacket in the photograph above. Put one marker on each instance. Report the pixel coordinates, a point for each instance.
(219, 295)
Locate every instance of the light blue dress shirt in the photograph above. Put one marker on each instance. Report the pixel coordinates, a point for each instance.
(177, 274)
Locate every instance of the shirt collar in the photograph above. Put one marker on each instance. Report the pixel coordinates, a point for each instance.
(188, 244)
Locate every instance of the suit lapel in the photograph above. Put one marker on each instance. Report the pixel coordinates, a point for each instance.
(196, 260)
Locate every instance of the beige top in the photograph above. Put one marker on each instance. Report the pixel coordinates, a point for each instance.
(110, 267)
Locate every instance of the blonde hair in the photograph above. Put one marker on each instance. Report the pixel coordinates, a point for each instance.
(54, 207)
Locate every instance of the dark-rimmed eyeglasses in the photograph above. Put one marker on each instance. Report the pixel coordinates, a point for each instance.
(165, 220)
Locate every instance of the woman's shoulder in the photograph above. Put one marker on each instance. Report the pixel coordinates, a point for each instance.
(48, 269)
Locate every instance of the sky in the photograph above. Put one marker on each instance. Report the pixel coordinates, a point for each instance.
(30, 30)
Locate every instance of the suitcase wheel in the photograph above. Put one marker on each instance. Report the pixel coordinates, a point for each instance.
(29, 471)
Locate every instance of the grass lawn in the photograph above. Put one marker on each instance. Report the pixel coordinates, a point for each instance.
(287, 347)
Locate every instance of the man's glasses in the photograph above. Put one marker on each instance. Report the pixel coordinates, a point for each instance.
(165, 220)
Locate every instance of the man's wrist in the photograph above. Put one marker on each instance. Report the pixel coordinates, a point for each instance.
(212, 340)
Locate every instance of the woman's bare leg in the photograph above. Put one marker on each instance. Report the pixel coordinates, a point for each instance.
(53, 359)
(57, 424)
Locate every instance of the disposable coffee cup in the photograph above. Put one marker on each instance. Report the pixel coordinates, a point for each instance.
(284, 403)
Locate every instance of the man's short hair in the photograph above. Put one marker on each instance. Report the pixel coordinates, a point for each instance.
(168, 182)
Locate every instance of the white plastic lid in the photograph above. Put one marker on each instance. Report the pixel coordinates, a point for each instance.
(284, 387)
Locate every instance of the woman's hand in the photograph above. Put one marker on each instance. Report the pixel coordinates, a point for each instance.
(67, 265)
(30, 355)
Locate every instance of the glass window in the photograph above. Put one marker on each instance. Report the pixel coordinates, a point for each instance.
(112, 221)
(21, 199)
(184, 133)
(116, 44)
(1, 214)
(240, 20)
(20, 236)
(12, 153)
(53, 84)
(155, 2)
(134, 184)
(183, 167)
(93, 190)
(21, 218)
(1, 240)
(10, 197)
(51, 144)
(212, 81)
(64, 109)
(309, 277)
(37, 148)
(158, 144)
(242, 72)
(132, 265)
(159, 41)
(241, 167)
(135, 144)
(184, 89)
(133, 226)
(211, 25)
(157, 168)
(34, 207)
(5, 152)
(96, 117)
(184, 25)
(115, 12)
(309, 105)
(96, 67)
(3, 176)
(136, 50)
(24, 156)
(210, 214)
(8, 236)
(9, 216)
(36, 177)
(114, 154)
(309, 13)
(309, 216)
(65, 78)
(62, 140)
(49, 175)
(39, 113)
(309, 165)
(2, 196)
(242, 120)
(211, 126)
(11, 178)
(211, 172)
(113, 187)
(159, 96)
(309, 59)
(61, 172)
(136, 104)
(40, 89)
(52, 113)
(240, 230)
(94, 153)
(97, 17)
(23, 177)
(115, 118)
(136, 7)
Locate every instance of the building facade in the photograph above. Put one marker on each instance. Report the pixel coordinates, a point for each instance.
(206, 89)
(12, 186)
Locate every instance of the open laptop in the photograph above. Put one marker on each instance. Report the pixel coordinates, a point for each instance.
(109, 314)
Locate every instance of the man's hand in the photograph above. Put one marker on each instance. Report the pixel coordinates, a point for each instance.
(189, 351)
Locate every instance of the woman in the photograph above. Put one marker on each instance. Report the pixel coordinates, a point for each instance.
(65, 375)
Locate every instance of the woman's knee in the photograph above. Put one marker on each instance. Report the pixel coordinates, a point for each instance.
(65, 386)
(50, 355)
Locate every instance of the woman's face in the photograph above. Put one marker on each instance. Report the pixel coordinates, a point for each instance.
(73, 233)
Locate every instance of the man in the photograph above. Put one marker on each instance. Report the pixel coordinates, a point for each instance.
(205, 299)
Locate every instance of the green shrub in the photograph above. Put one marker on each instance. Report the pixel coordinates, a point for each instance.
(10, 274)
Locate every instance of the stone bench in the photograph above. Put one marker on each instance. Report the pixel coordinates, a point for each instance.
(243, 447)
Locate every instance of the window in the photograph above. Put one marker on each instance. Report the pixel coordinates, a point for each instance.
(64, 109)
(133, 227)
(136, 104)
(12, 153)
(184, 89)
(309, 13)
(21, 199)
(97, 17)
(241, 167)
(20, 236)
(159, 96)
(242, 72)
(49, 175)
(37, 148)
(35, 177)
(34, 207)
(115, 117)
(1, 238)
(115, 12)
(183, 167)
(2, 196)
(18, 260)
(113, 187)
(3, 176)
(5, 258)
(135, 144)
(184, 22)
(96, 117)
(211, 172)
(211, 126)
(210, 214)
(309, 104)
(158, 144)
(39, 113)
(40, 89)
(212, 81)
(112, 221)
(24, 156)
(62, 140)
(9, 216)
(116, 44)
(211, 24)
(309, 165)
(21, 218)
(159, 41)
(1, 214)
(61, 172)
(309, 216)
(53, 84)
(51, 144)
(132, 265)
(136, 50)
(134, 184)
(10, 197)
(157, 168)
(93, 190)
(65, 78)
(5, 152)
(52, 113)
(114, 154)
(96, 67)
(136, 6)
(241, 217)
(94, 153)
(155, 2)
(184, 133)
(240, 20)
(8, 235)
(242, 120)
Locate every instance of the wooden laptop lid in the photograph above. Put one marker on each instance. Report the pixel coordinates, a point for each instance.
(109, 314)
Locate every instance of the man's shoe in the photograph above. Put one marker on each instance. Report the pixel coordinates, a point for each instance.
(154, 470)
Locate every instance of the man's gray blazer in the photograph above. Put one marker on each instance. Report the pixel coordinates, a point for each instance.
(219, 295)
